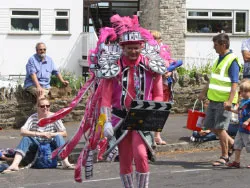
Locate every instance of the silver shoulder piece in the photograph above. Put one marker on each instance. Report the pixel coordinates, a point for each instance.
(107, 58)
(156, 63)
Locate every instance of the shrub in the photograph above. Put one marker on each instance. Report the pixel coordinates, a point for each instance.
(192, 70)
(75, 82)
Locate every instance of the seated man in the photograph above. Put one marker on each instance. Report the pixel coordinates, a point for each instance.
(39, 69)
(33, 135)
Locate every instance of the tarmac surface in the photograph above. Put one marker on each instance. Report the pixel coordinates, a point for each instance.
(178, 163)
(174, 133)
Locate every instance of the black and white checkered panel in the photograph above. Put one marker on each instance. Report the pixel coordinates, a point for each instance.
(150, 105)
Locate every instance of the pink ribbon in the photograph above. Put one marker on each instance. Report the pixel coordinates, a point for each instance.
(63, 112)
(88, 123)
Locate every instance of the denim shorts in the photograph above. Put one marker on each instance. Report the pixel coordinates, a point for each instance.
(216, 116)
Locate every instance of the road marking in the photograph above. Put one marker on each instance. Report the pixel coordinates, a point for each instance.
(107, 179)
(69, 181)
(193, 170)
(115, 178)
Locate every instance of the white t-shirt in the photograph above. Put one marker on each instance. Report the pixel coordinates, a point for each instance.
(246, 47)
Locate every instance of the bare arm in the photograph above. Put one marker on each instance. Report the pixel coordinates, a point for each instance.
(228, 103)
(63, 133)
(246, 55)
(246, 123)
(25, 132)
(203, 92)
(65, 82)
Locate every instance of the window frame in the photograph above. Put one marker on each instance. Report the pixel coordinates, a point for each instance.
(62, 17)
(211, 17)
(234, 24)
(24, 17)
(198, 17)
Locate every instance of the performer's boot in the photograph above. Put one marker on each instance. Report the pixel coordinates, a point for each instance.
(142, 179)
(127, 180)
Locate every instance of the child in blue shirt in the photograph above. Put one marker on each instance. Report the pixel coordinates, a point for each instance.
(242, 138)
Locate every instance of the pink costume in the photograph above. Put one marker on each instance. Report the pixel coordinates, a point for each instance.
(115, 81)
(132, 146)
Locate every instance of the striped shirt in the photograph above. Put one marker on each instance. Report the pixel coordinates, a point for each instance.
(31, 125)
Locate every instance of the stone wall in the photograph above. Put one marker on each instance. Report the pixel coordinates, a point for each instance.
(16, 106)
(169, 17)
(19, 105)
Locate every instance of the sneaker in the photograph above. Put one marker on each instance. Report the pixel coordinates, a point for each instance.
(233, 165)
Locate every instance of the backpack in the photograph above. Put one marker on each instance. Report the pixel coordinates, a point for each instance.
(43, 157)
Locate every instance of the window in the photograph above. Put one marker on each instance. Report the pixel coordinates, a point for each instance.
(62, 20)
(215, 21)
(240, 22)
(25, 21)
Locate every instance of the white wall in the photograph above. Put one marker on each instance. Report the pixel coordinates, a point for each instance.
(217, 4)
(65, 50)
(200, 48)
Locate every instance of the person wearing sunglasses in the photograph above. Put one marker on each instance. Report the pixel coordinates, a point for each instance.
(33, 135)
(39, 69)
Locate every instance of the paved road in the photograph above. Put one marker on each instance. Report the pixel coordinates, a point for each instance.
(172, 170)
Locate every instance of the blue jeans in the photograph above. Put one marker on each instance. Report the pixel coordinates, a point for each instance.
(31, 144)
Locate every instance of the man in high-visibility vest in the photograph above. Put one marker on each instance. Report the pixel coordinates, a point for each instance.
(222, 93)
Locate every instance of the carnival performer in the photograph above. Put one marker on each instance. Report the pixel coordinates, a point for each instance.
(119, 92)
(123, 72)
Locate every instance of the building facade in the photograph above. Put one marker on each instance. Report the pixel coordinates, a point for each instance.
(188, 26)
(57, 23)
(70, 29)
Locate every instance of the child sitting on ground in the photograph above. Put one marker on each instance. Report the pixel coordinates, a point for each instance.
(202, 136)
(243, 135)
(7, 154)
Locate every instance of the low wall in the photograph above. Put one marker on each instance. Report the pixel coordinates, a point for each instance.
(17, 105)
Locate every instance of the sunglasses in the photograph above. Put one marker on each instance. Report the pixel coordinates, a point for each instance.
(43, 106)
(42, 49)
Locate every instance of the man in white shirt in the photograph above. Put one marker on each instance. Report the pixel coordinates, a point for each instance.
(245, 49)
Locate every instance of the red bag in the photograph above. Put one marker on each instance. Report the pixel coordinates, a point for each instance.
(195, 118)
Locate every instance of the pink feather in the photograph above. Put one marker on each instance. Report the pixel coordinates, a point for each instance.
(165, 52)
(105, 33)
(147, 36)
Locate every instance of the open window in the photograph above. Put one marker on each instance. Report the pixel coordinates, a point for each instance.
(24, 21)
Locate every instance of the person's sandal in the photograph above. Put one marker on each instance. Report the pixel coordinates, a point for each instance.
(234, 164)
(221, 161)
(159, 141)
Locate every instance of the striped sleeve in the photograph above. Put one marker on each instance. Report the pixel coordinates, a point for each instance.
(59, 126)
(30, 121)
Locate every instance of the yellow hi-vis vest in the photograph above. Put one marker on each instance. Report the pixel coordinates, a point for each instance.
(220, 82)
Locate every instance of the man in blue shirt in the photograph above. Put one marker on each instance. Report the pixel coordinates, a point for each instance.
(221, 92)
(39, 69)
